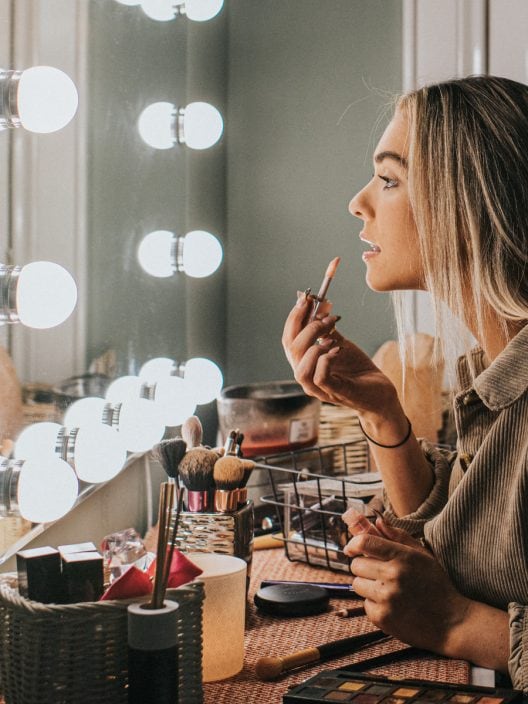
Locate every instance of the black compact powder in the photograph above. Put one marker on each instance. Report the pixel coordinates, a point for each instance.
(292, 599)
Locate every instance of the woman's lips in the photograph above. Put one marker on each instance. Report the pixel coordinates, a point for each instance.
(374, 249)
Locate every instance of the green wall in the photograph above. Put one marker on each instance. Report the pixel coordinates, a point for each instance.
(307, 80)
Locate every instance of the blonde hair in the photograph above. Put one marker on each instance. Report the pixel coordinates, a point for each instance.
(468, 186)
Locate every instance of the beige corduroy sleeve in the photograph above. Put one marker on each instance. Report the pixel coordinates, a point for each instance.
(442, 463)
(518, 660)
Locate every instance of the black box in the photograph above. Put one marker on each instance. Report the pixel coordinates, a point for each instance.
(39, 575)
(82, 576)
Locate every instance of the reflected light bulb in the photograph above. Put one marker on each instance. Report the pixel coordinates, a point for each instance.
(202, 254)
(36, 441)
(157, 125)
(46, 99)
(46, 295)
(202, 10)
(99, 453)
(124, 388)
(204, 378)
(156, 369)
(202, 125)
(140, 425)
(156, 253)
(85, 412)
(174, 399)
(47, 489)
(161, 10)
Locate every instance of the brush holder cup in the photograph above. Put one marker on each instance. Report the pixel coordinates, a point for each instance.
(224, 533)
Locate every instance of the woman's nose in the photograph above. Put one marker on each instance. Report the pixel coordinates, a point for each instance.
(356, 206)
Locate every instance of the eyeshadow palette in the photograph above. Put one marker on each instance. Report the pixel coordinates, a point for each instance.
(360, 688)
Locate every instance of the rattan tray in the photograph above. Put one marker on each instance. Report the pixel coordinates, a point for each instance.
(77, 653)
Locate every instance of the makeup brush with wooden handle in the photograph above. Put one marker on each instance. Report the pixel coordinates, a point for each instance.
(270, 667)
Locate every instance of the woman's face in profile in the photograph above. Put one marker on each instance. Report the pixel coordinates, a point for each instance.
(392, 257)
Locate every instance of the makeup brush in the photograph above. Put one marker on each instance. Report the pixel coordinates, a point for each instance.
(196, 474)
(329, 275)
(230, 442)
(166, 502)
(238, 445)
(228, 473)
(268, 668)
(192, 432)
(248, 466)
(169, 453)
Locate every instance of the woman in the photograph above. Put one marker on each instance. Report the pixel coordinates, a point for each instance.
(446, 211)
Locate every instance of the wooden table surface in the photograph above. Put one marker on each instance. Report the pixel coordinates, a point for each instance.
(268, 635)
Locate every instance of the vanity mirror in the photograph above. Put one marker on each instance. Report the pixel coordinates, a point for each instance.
(297, 100)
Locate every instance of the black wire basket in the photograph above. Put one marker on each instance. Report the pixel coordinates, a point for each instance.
(309, 491)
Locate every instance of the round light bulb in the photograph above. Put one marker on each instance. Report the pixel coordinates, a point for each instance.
(156, 125)
(202, 125)
(174, 400)
(124, 388)
(99, 453)
(47, 489)
(204, 378)
(36, 441)
(155, 253)
(202, 254)
(140, 425)
(202, 10)
(46, 295)
(85, 412)
(46, 99)
(156, 369)
(161, 10)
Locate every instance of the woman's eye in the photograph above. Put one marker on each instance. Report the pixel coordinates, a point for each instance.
(389, 182)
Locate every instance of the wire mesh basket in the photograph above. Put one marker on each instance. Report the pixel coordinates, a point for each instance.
(309, 491)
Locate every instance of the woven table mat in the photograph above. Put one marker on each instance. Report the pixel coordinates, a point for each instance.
(268, 635)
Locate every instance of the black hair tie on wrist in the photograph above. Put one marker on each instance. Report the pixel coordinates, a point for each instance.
(389, 447)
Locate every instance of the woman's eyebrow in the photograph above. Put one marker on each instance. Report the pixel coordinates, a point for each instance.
(378, 158)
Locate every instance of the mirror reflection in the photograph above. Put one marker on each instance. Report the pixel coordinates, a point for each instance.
(204, 178)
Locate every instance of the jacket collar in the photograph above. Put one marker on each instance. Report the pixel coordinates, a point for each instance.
(503, 381)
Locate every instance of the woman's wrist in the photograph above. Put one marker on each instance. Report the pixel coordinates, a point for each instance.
(388, 427)
(480, 635)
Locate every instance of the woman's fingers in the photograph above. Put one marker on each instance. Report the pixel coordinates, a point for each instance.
(374, 546)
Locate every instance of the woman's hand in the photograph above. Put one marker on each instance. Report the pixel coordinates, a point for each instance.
(407, 593)
(332, 368)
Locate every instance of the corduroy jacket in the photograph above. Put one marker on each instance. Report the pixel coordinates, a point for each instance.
(475, 518)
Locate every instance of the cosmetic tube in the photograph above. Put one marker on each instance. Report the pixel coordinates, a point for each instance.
(153, 654)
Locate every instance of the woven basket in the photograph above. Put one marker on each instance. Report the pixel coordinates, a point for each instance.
(77, 653)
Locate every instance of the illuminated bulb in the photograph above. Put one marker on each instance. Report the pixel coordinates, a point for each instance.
(196, 10)
(47, 489)
(201, 376)
(156, 369)
(156, 253)
(202, 10)
(85, 412)
(204, 379)
(98, 453)
(199, 125)
(140, 425)
(124, 388)
(40, 99)
(162, 253)
(39, 295)
(36, 441)
(157, 125)
(174, 400)
(201, 255)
